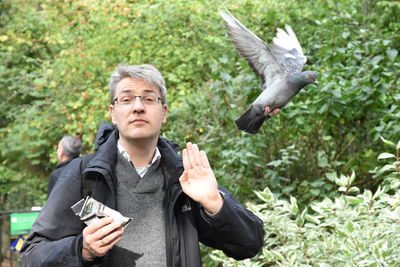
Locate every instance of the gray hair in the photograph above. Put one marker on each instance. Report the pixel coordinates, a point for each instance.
(145, 72)
(72, 146)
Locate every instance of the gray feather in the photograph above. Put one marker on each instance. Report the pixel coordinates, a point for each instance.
(280, 69)
(253, 49)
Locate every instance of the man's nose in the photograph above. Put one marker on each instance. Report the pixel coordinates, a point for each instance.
(138, 105)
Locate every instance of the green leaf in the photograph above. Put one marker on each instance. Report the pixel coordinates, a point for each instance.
(353, 190)
(312, 219)
(390, 143)
(350, 227)
(352, 178)
(392, 53)
(340, 182)
(331, 176)
(353, 200)
(315, 192)
(293, 206)
(386, 155)
(342, 189)
(388, 167)
(376, 60)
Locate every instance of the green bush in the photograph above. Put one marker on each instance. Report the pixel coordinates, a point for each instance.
(350, 230)
(56, 57)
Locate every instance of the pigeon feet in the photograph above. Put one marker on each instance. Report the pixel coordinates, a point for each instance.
(276, 111)
(266, 111)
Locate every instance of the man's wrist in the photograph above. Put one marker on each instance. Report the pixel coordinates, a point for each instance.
(212, 207)
(85, 257)
(87, 260)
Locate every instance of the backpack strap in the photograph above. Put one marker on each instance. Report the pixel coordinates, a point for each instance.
(87, 185)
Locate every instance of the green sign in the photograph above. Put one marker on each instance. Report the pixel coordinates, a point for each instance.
(21, 223)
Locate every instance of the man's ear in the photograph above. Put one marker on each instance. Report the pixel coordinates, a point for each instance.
(165, 111)
(111, 109)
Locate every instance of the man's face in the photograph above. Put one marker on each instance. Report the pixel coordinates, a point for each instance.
(59, 152)
(137, 120)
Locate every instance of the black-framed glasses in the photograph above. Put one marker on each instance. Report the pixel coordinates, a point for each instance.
(129, 99)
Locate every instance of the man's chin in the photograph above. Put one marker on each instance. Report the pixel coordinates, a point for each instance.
(140, 135)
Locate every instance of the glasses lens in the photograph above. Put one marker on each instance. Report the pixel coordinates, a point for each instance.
(127, 99)
(149, 99)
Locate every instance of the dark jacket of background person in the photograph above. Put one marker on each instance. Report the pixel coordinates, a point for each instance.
(56, 236)
(56, 174)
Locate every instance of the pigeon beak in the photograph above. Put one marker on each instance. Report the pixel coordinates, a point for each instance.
(316, 83)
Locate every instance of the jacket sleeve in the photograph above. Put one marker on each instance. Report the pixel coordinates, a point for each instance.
(235, 230)
(56, 236)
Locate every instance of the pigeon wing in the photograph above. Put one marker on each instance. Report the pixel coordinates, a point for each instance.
(287, 50)
(257, 53)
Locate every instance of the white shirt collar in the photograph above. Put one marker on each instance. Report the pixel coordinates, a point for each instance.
(125, 154)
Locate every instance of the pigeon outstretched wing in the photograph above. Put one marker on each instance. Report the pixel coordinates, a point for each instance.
(279, 66)
(287, 50)
(257, 53)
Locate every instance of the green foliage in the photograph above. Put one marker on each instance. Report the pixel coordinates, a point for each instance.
(353, 229)
(388, 173)
(325, 130)
(56, 57)
(345, 231)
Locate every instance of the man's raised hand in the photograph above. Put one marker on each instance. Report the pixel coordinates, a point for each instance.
(198, 180)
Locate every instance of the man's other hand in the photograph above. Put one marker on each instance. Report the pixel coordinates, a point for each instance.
(99, 237)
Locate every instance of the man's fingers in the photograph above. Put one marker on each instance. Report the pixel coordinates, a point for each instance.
(194, 154)
(115, 241)
(189, 147)
(204, 159)
(110, 238)
(192, 157)
(98, 243)
(92, 228)
(107, 230)
(186, 162)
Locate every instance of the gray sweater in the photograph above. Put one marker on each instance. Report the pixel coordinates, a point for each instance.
(142, 199)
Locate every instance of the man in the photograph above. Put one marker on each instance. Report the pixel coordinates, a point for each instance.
(68, 148)
(174, 202)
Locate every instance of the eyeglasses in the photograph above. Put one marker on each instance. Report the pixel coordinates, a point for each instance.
(128, 99)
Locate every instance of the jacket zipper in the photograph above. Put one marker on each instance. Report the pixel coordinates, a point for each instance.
(169, 228)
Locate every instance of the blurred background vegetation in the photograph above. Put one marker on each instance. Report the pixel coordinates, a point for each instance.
(56, 57)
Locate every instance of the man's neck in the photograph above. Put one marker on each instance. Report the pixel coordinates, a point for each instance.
(141, 152)
(63, 158)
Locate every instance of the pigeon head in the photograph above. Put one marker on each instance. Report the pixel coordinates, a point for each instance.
(306, 77)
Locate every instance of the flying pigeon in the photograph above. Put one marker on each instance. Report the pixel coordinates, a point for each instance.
(279, 67)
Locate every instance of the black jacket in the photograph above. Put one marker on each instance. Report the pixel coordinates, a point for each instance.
(56, 174)
(56, 236)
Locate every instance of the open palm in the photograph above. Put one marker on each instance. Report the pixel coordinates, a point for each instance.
(198, 180)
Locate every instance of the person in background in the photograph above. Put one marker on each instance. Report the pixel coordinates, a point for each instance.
(68, 148)
(175, 201)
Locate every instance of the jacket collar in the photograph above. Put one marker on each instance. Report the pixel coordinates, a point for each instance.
(106, 152)
(61, 164)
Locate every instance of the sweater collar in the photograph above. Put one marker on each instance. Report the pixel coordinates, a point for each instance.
(106, 151)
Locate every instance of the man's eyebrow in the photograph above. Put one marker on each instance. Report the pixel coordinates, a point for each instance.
(133, 91)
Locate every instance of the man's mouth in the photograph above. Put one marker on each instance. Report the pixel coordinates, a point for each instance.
(138, 120)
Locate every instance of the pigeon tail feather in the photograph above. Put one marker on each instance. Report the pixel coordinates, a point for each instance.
(251, 121)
